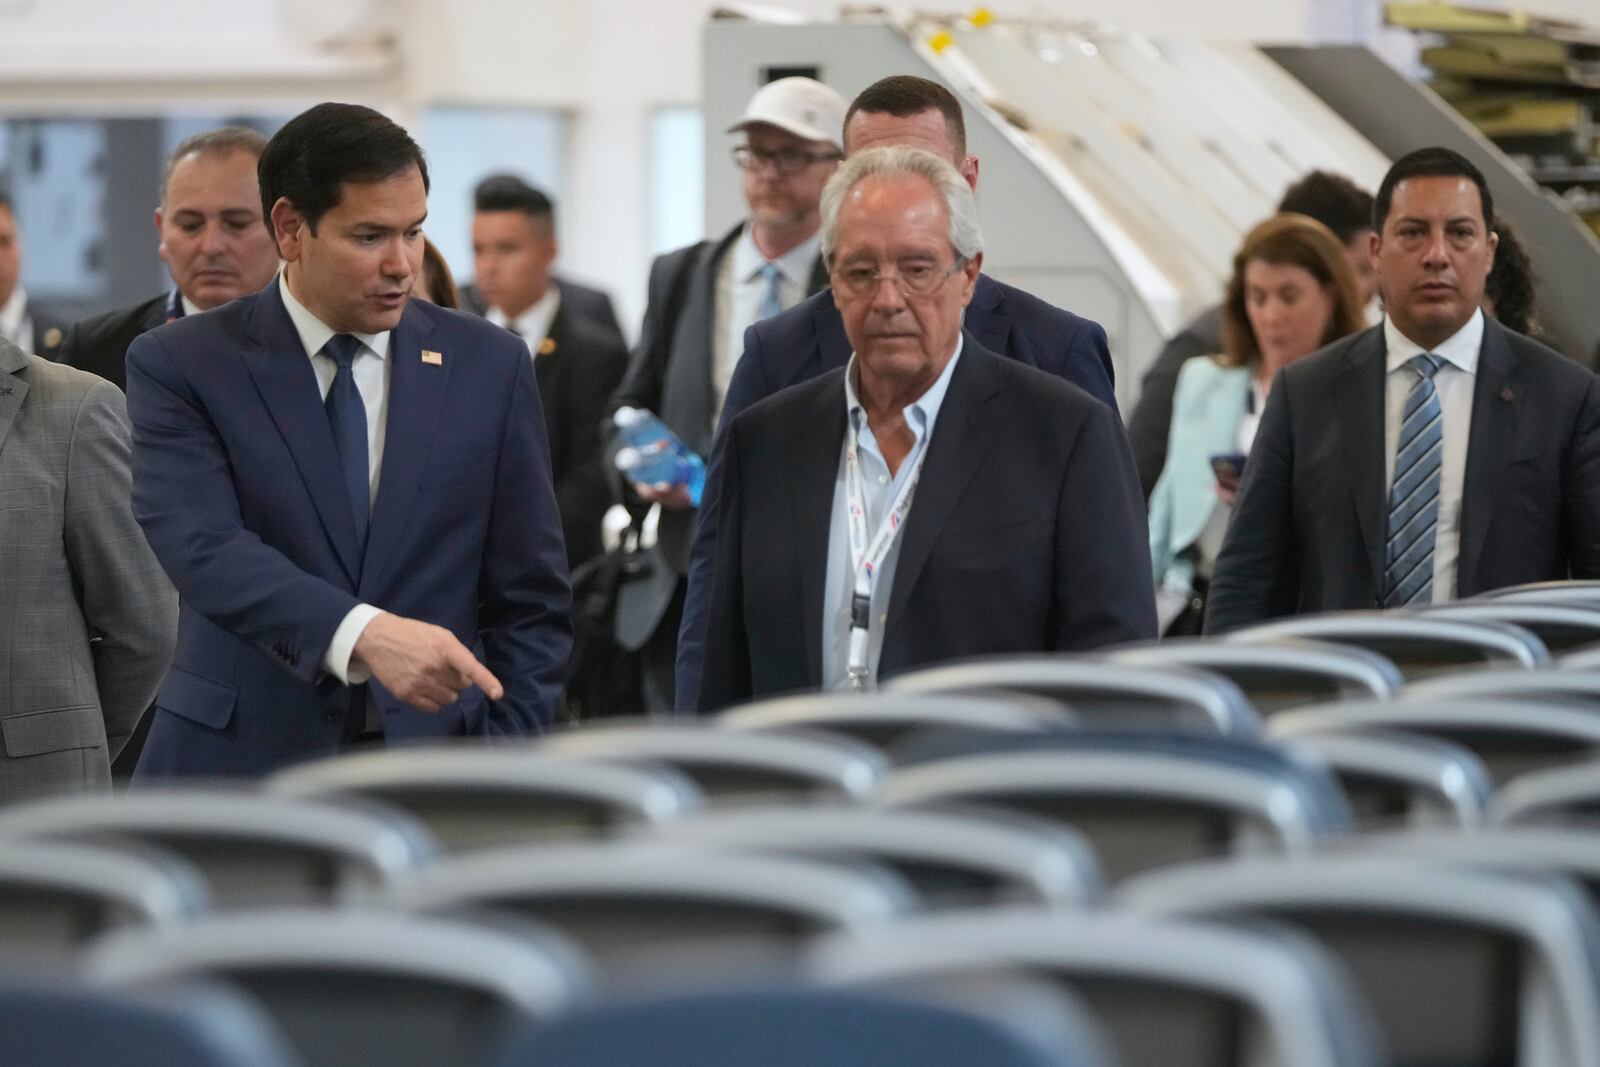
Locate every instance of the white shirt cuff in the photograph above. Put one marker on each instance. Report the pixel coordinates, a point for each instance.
(336, 661)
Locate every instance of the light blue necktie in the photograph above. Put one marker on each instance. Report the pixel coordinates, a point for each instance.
(347, 416)
(772, 299)
(1414, 496)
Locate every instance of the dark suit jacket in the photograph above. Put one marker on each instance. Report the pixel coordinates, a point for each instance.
(809, 339)
(591, 304)
(1152, 415)
(99, 345)
(48, 332)
(237, 487)
(578, 368)
(1026, 535)
(1308, 532)
(670, 373)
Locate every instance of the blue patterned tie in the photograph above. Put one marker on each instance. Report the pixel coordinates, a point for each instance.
(1414, 496)
(347, 415)
(772, 299)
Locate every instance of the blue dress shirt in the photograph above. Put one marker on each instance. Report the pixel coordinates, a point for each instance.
(878, 489)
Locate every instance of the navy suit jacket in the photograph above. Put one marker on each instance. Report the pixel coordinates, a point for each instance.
(809, 339)
(1027, 533)
(237, 486)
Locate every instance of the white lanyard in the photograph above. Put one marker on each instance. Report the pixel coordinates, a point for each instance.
(866, 560)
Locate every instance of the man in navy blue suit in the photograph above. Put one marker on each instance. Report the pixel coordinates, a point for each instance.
(350, 489)
(809, 339)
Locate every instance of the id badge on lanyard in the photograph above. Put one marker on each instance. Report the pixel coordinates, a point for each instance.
(866, 558)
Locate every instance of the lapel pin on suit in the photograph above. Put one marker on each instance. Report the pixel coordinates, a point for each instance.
(547, 346)
(432, 358)
(1507, 395)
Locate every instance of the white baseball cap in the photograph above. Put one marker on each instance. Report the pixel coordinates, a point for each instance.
(802, 106)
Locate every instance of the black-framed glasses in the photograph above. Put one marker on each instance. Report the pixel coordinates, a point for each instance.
(916, 277)
(789, 161)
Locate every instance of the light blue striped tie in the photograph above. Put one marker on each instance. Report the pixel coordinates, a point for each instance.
(772, 299)
(1414, 496)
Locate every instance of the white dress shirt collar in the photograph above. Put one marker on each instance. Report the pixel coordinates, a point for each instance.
(12, 312)
(314, 333)
(1460, 349)
(921, 412)
(533, 325)
(794, 265)
(189, 306)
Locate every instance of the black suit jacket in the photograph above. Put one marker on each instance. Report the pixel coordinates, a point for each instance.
(1309, 529)
(809, 339)
(99, 345)
(1026, 535)
(48, 332)
(1151, 422)
(578, 368)
(586, 303)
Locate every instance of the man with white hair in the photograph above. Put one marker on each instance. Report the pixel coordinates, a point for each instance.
(930, 500)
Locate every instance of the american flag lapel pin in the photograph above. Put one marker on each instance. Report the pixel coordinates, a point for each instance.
(432, 358)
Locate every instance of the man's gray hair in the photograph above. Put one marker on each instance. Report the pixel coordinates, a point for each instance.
(966, 237)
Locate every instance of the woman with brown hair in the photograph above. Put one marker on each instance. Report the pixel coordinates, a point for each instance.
(1292, 292)
(437, 286)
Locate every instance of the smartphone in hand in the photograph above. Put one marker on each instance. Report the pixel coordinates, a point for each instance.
(1228, 467)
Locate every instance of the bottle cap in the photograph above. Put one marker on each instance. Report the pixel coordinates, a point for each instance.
(626, 416)
(627, 459)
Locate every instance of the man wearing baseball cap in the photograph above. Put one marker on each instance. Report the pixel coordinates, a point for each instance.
(702, 298)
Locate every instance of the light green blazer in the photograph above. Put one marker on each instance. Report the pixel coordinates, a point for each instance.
(1206, 410)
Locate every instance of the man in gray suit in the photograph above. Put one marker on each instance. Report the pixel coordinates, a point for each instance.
(90, 620)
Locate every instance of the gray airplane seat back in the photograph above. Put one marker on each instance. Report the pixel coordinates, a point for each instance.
(884, 719)
(733, 768)
(1421, 646)
(954, 857)
(1510, 735)
(1464, 967)
(1277, 675)
(1395, 780)
(1142, 799)
(1563, 628)
(1578, 593)
(1565, 796)
(1166, 994)
(658, 913)
(366, 987)
(252, 850)
(1101, 693)
(473, 797)
(55, 897)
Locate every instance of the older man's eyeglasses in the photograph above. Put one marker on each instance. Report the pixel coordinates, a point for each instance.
(917, 276)
(788, 161)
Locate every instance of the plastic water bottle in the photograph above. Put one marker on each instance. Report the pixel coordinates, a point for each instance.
(652, 454)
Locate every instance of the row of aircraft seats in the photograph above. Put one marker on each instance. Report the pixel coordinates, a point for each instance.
(1351, 840)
